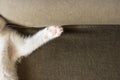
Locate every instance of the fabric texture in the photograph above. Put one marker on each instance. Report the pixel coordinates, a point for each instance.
(39, 13)
(86, 53)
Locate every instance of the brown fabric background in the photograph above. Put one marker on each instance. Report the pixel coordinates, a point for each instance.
(89, 53)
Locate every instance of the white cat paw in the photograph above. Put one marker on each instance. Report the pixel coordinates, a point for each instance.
(54, 31)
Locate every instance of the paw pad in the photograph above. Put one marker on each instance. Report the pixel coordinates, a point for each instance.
(55, 31)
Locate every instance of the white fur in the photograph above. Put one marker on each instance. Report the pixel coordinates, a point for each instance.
(13, 46)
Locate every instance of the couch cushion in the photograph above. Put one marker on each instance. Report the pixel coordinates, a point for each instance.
(79, 54)
(39, 13)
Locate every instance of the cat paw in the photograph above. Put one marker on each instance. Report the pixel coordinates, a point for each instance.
(54, 31)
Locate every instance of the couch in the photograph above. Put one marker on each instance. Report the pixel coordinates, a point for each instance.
(60, 12)
(86, 53)
(89, 48)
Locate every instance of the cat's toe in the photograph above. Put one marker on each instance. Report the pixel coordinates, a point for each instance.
(55, 31)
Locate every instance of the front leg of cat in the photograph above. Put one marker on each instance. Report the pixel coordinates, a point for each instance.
(28, 45)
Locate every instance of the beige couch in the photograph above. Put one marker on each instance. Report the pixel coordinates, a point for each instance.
(38, 13)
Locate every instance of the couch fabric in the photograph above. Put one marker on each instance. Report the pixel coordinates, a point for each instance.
(86, 53)
(39, 13)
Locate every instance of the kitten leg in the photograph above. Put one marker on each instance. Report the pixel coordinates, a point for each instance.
(28, 45)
